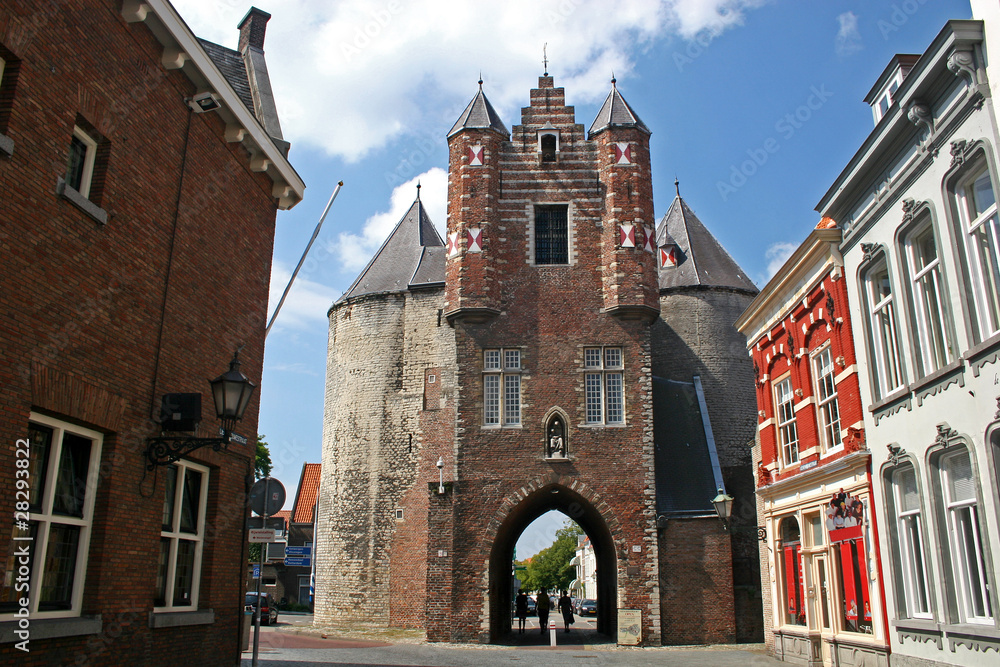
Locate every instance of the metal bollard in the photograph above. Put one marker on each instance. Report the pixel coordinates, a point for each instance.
(552, 633)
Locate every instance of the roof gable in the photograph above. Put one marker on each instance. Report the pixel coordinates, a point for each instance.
(307, 493)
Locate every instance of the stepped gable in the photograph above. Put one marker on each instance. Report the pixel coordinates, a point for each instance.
(701, 259)
(480, 115)
(616, 112)
(412, 256)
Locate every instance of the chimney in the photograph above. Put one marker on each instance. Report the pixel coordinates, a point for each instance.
(252, 29)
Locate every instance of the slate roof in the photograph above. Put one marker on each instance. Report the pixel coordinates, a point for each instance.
(412, 256)
(616, 112)
(480, 114)
(231, 64)
(685, 483)
(305, 497)
(702, 259)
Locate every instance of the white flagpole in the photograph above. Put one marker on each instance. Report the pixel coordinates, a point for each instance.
(291, 280)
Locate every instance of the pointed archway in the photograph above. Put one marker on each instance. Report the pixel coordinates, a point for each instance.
(552, 496)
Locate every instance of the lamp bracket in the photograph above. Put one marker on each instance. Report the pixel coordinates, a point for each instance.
(164, 450)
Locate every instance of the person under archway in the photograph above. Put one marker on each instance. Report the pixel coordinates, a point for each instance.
(542, 607)
(521, 608)
(566, 607)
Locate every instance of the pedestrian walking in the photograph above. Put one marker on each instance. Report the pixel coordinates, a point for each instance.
(542, 607)
(521, 608)
(566, 607)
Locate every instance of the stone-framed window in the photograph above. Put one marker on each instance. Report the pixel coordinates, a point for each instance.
(502, 387)
(182, 536)
(975, 198)
(962, 536)
(551, 234)
(883, 333)
(604, 385)
(827, 407)
(931, 320)
(913, 599)
(60, 481)
(784, 417)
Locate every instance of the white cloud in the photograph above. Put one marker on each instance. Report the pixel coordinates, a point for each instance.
(350, 76)
(777, 254)
(355, 250)
(848, 39)
(307, 301)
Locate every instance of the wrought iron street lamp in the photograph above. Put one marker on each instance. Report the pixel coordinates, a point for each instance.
(723, 507)
(231, 393)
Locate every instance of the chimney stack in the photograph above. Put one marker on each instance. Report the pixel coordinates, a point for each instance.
(252, 29)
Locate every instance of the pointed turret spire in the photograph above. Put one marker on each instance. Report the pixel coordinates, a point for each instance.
(412, 255)
(480, 115)
(616, 112)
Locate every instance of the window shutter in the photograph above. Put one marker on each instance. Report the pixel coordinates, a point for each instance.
(961, 485)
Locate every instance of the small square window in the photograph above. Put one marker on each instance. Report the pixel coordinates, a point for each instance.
(399, 515)
(431, 379)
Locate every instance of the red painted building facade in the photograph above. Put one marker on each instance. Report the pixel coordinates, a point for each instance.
(824, 594)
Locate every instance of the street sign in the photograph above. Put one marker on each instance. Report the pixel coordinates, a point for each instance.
(274, 522)
(298, 562)
(235, 437)
(275, 496)
(256, 571)
(262, 535)
(298, 551)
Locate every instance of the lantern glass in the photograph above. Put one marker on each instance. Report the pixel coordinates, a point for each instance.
(723, 505)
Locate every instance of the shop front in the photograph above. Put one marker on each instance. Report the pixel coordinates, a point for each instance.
(824, 574)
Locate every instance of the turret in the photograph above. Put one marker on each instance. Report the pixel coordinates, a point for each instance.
(628, 239)
(475, 145)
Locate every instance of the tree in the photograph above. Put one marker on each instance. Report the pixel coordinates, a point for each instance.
(550, 568)
(262, 463)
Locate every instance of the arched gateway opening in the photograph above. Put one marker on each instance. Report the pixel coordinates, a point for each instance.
(579, 509)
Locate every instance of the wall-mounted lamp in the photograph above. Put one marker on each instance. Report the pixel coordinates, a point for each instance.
(723, 507)
(203, 102)
(231, 393)
(440, 465)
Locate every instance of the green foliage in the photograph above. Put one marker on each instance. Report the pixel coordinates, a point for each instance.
(253, 556)
(550, 568)
(262, 464)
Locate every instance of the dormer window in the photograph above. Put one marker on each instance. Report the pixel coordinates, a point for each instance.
(883, 94)
(885, 100)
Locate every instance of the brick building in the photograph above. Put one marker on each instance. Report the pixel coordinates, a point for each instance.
(142, 170)
(558, 350)
(819, 555)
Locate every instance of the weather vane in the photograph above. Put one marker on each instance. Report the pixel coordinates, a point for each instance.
(545, 58)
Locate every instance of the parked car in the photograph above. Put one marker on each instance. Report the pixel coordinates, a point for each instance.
(587, 608)
(531, 606)
(268, 611)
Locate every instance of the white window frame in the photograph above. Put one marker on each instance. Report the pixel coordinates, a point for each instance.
(929, 308)
(604, 386)
(987, 307)
(786, 429)
(175, 535)
(827, 407)
(962, 521)
(89, 159)
(912, 556)
(502, 387)
(884, 332)
(45, 517)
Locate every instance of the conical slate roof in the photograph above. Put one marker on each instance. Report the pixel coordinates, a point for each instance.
(479, 115)
(616, 113)
(412, 256)
(701, 258)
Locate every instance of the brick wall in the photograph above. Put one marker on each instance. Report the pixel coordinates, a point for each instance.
(697, 585)
(104, 319)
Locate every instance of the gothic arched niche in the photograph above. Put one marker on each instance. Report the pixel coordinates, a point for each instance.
(556, 435)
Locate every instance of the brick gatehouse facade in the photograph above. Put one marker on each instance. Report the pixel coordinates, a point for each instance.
(561, 350)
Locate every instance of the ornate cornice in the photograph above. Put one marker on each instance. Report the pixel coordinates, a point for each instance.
(920, 114)
(962, 62)
(896, 453)
(945, 434)
(959, 154)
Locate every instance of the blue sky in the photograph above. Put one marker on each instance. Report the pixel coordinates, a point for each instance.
(755, 106)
